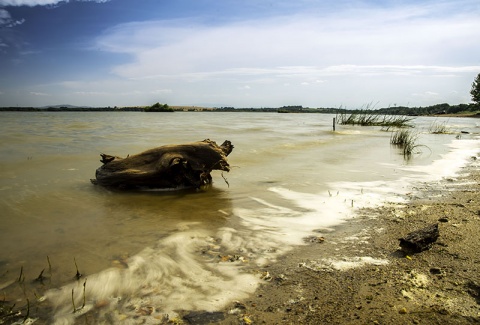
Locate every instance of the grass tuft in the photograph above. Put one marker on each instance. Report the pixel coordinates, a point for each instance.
(371, 118)
(406, 140)
(438, 128)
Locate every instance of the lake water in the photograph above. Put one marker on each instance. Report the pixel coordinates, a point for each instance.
(144, 255)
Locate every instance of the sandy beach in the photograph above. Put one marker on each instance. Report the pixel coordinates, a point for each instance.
(369, 279)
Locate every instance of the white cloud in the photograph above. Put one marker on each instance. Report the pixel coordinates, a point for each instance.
(426, 95)
(7, 21)
(91, 93)
(322, 58)
(5, 17)
(369, 52)
(14, 23)
(127, 91)
(161, 91)
(347, 43)
(32, 3)
(28, 2)
(34, 93)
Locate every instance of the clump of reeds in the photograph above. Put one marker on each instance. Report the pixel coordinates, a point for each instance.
(438, 128)
(406, 140)
(372, 118)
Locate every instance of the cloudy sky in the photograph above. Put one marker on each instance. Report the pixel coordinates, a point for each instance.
(241, 53)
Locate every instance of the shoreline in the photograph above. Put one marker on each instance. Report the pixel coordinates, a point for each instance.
(201, 109)
(367, 279)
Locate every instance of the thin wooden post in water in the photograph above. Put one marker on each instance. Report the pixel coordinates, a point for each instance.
(333, 124)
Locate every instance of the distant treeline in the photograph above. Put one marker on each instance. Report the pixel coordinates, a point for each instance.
(437, 109)
(395, 110)
(431, 110)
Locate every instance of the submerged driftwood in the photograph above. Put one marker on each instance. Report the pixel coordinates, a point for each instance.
(171, 166)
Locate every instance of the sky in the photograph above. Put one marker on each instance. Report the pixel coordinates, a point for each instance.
(238, 53)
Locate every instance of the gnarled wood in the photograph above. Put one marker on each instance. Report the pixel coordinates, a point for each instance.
(420, 240)
(170, 166)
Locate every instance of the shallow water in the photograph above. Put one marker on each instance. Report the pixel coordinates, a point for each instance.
(147, 254)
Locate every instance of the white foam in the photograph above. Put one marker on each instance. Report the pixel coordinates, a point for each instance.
(344, 263)
(450, 163)
(168, 277)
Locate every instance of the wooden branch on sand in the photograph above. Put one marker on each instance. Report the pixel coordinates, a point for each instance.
(166, 167)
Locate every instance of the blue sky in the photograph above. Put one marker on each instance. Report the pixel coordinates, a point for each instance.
(248, 53)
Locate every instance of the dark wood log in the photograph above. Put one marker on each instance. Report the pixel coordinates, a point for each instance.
(420, 240)
(170, 166)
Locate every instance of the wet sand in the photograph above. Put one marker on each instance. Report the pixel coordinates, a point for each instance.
(440, 285)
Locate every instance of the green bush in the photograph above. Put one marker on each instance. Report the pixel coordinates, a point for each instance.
(157, 107)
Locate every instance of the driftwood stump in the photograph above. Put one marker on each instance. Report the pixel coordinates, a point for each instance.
(420, 240)
(166, 167)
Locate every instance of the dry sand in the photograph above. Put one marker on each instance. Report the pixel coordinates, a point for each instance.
(438, 286)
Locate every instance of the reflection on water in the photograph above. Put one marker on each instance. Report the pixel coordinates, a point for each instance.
(146, 255)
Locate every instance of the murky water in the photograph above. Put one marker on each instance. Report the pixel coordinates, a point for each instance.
(148, 254)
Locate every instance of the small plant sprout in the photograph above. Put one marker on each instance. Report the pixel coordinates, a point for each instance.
(49, 265)
(84, 295)
(78, 275)
(28, 311)
(21, 277)
(40, 277)
(73, 302)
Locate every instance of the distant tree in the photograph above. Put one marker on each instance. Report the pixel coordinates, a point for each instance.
(475, 92)
(157, 107)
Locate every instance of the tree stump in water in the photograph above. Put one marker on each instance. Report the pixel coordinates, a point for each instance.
(420, 240)
(166, 167)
